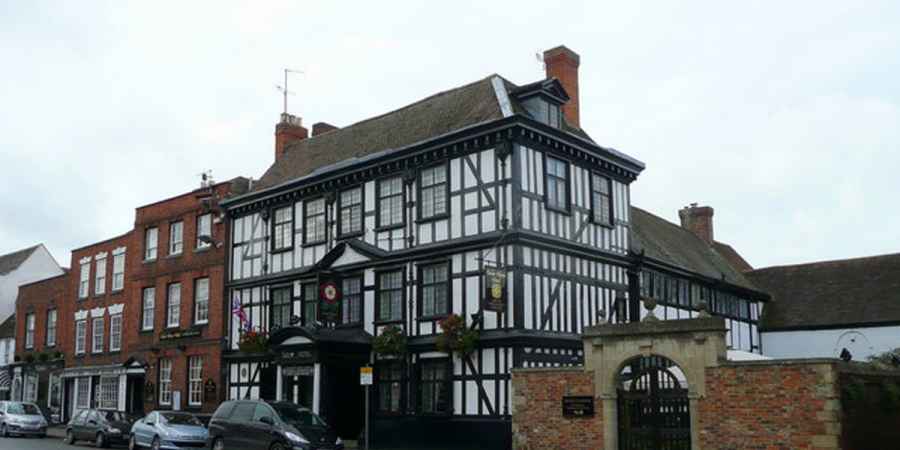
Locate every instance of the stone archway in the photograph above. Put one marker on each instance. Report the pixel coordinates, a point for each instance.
(653, 406)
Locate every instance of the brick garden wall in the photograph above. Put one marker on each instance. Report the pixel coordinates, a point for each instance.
(770, 404)
(538, 422)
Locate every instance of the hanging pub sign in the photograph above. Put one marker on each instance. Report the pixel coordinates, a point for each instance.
(494, 289)
(329, 298)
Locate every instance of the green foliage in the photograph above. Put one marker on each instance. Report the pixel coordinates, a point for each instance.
(43, 356)
(391, 341)
(254, 341)
(890, 396)
(886, 360)
(58, 355)
(29, 358)
(456, 336)
(856, 394)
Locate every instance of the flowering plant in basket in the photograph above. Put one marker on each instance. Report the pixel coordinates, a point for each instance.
(456, 336)
(254, 341)
(391, 341)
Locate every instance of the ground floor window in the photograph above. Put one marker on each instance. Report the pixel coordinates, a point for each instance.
(82, 393)
(195, 380)
(109, 392)
(434, 386)
(390, 382)
(54, 393)
(31, 387)
(165, 382)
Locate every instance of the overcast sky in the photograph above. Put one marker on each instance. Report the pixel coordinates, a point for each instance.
(783, 116)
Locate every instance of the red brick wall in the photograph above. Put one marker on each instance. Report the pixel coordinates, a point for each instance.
(38, 298)
(538, 422)
(786, 405)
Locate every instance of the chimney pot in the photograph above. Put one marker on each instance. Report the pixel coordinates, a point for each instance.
(289, 130)
(562, 63)
(698, 220)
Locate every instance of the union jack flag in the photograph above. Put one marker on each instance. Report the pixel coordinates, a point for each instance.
(237, 309)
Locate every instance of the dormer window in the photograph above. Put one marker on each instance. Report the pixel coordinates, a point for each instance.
(543, 111)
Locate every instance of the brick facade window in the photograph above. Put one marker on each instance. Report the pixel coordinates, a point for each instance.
(151, 241)
(148, 307)
(29, 331)
(80, 336)
(201, 300)
(51, 327)
(173, 306)
(204, 229)
(97, 335)
(100, 276)
(115, 332)
(84, 279)
(118, 280)
(195, 380)
(109, 392)
(165, 381)
(176, 238)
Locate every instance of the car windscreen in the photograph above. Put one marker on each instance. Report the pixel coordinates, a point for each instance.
(299, 417)
(22, 408)
(116, 416)
(180, 419)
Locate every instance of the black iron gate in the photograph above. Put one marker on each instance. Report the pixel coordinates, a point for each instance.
(654, 411)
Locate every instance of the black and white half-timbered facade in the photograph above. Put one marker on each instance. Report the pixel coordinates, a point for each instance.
(392, 221)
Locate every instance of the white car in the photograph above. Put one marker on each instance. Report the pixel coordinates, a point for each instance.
(22, 418)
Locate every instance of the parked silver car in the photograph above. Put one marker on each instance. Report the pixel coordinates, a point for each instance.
(21, 418)
(168, 430)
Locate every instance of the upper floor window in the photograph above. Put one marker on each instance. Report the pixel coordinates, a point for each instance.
(283, 229)
(151, 240)
(173, 306)
(543, 111)
(352, 308)
(118, 280)
(204, 230)
(557, 184)
(390, 202)
(29, 331)
(435, 285)
(80, 336)
(601, 200)
(97, 335)
(281, 308)
(201, 300)
(176, 237)
(433, 189)
(115, 332)
(148, 306)
(390, 296)
(314, 216)
(100, 275)
(350, 205)
(51, 327)
(84, 279)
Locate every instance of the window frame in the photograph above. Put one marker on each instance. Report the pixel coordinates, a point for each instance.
(147, 248)
(193, 382)
(567, 208)
(378, 291)
(169, 305)
(94, 334)
(104, 397)
(144, 308)
(167, 383)
(342, 233)
(116, 287)
(30, 326)
(304, 302)
(609, 197)
(118, 342)
(84, 280)
(381, 382)
(306, 229)
(446, 381)
(198, 244)
(100, 276)
(420, 289)
(288, 241)
(81, 341)
(362, 299)
(378, 225)
(289, 303)
(52, 312)
(196, 309)
(420, 217)
(172, 242)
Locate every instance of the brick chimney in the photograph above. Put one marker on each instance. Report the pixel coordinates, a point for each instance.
(288, 130)
(562, 63)
(698, 220)
(322, 127)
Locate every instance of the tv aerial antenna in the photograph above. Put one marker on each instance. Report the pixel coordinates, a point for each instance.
(283, 88)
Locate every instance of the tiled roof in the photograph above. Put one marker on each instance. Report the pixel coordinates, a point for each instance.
(11, 261)
(847, 292)
(8, 327)
(664, 241)
(732, 256)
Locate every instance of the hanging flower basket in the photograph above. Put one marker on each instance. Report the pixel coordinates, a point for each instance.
(254, 341)
(456, 336)
(391, 342)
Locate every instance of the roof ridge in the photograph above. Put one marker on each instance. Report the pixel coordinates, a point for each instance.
(21, 250)
(828, 262)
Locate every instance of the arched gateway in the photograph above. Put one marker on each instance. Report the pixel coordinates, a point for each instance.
(653, 406)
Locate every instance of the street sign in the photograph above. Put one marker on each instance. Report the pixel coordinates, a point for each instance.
(365, 376)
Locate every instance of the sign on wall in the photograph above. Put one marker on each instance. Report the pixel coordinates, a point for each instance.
(329, 298)
(365, 376)
(494, 289)
(578, 406)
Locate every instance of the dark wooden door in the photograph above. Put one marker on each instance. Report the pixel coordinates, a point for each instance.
(654, 410)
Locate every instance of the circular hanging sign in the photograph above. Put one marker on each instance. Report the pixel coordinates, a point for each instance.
(330, 292)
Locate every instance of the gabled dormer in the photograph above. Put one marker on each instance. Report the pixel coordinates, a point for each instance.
(543, 101)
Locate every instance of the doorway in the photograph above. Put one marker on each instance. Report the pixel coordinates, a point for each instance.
(297, 385)
(653, 405)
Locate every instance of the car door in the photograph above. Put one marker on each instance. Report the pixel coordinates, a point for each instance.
(90, 425)
(237, 433)
(140, 428)
(2, 412)
(263, 433)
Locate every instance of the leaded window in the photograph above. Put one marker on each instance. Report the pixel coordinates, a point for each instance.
(281, 308)
(195, 380)
(283, 229)
(100, 276)
(433, 192)
(310, 303)
(390, 202)
(115, 332)
(173, 306)
(435, 282)
(352, 290)
(390, 386)
(351, 210)
(165, 381)
(601, 199)
(314, 216)
(433, 387)
(176, 237)
(390, 296)
(148, 307)
(557, 183)
(97, 335)
(201, 300)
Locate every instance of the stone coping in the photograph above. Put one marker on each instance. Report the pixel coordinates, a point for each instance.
(644, 328)
(549, 369)
(782, 362)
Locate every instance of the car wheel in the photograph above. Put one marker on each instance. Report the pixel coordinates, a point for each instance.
(155, 444)
(218, 444)
(70, 437)
(100, 442)
(277, 446)
(132, 443)
(3, 431)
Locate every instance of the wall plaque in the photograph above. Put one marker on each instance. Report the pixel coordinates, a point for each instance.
(494, 289)
(578, 406)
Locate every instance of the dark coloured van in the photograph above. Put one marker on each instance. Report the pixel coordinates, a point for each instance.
(261, 425)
